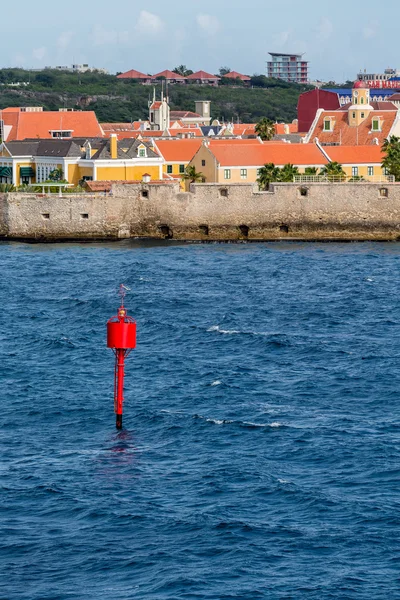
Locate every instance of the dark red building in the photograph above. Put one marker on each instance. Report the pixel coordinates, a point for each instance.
(310, 102)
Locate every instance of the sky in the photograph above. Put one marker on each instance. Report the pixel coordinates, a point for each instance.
(338, 38)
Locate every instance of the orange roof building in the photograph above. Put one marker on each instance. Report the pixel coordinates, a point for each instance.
(361, 123)
(202, 77)
(133, 74)
(236, 75)
(235, 162)
(34, 123)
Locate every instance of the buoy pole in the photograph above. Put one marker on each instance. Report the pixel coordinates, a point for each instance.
(119, 386)
(121, 337)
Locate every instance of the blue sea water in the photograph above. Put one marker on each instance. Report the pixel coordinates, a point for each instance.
(260, 451)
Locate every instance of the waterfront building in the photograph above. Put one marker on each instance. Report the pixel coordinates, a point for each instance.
(230, 162)
(32, 161)
(361, 122)
(176, 155)
(288, 67)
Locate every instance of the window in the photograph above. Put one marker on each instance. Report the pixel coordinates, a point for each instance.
(61, 134)
(145, 193)
(243, 173)
(370, 171)
(181, 169)
(84, 216)
(354, 171)
(384, 192)
(142, 152)
(203, 163)
(354, 115)
(169, 169)
(376, 125)
(386, 171)
(363, 115)
(227, 174)
(327, 125)
(362, 100)
(355, 100)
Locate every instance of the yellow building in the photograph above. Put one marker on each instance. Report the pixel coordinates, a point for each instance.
(32, 162)
(176, 155)
(238, 161)
(358, 161)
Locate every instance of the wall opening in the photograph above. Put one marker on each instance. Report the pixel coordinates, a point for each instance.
(166, 232)
(303, 191)
(244, 230)
(384, 193)
(204, 229)
(284, 228)
(84, 216)
(45, 216)
(145, 193)
(223, 192)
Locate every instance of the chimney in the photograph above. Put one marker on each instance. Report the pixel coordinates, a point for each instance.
(114, 146)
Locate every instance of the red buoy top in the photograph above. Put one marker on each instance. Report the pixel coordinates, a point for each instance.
(121, 331)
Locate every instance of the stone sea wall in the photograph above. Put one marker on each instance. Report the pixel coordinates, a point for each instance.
(317, 211)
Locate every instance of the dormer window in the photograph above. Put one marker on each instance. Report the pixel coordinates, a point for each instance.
(61, 133)
(142, 152)
(376, 124)
(328, 125)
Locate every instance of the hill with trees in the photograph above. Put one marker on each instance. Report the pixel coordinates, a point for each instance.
(126, 100)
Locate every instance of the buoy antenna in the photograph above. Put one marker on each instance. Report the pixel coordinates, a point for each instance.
(122, 292)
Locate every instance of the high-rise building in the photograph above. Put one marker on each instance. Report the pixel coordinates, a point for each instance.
(288, 67)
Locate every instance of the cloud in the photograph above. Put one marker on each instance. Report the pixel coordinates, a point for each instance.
(369, 32)
(208, 24)
(149, 23)
(64, 39)
(103, 37)
(39, 53)
(324, 29)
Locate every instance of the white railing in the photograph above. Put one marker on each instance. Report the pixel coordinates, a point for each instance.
(343, 179)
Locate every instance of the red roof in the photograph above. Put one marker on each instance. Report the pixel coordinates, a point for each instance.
(203, 75)
(285, 128)
(41, 124)
(362, 135)
(132, 74)
(168, 75)
(236, 75)
(355, 155)
(178, 150)
(256, 155)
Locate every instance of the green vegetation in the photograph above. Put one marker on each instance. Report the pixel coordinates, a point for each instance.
(265, 129)
(391, 162)
(269, 173)
(333, 171)
(126, 100)
(191, 175)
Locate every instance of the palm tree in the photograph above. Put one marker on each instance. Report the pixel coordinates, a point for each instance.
(265, 129)
(333, 171)
(311, 171)
(182, 70)
(192, 175)
(391, 162)
(288, 173)
(267, 174)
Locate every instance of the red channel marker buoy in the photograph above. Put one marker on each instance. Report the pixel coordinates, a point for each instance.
(121, 337)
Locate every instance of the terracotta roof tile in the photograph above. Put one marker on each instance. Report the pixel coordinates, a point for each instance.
(168, 75)
(355, 155)
(133, 74)
(203, 75)
(256, 155)
(236, 75)
(178, 150)
(345, 135)
(41, 124)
